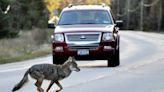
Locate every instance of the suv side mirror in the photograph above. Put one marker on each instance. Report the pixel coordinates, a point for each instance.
(52, 22)
(119, 23)
(51, 25)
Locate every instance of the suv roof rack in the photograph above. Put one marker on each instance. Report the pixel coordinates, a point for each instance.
(103, 4)
(70, 5)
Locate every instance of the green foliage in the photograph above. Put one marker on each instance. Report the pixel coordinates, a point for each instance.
(33, 13)
(23, 15)
(5, 29)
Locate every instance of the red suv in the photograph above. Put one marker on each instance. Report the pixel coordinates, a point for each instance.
(87, 32)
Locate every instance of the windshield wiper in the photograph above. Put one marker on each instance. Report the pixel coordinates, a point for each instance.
(65, 24)
(86, 23)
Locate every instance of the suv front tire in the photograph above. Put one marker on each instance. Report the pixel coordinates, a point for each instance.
(114, 60)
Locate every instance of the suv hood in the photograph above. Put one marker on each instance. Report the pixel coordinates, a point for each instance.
(84, 28)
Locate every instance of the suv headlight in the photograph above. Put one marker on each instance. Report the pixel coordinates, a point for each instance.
(59, 37)
(107, 36)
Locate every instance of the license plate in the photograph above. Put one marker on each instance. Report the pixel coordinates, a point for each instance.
(83, 52)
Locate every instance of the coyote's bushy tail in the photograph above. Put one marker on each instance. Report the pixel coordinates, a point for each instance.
(22, 82)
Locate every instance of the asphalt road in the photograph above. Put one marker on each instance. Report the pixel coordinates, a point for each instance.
(141, 69)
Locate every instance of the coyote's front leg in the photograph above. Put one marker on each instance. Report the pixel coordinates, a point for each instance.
(51, 83)
(59, 86)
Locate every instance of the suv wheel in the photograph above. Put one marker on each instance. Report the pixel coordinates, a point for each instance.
(58, 60)
(114, 60)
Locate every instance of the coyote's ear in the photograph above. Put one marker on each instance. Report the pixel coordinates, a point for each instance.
(70, 58)
(73, 59)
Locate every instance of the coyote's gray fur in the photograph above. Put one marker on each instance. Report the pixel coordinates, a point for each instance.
(51, 72)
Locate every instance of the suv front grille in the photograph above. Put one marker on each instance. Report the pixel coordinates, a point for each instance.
(90, 47)
(83, 37)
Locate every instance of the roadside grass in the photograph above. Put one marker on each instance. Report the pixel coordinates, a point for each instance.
(29, 44)
(22, 57)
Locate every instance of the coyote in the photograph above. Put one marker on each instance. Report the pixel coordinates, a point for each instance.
(51, 72)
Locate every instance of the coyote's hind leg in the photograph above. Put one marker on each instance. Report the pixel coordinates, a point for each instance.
(38, 85)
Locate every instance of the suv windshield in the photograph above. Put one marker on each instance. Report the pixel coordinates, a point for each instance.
(85, 17)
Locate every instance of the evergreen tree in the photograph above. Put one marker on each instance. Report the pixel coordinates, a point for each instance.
(30, 13)
(23, 15)
(5, 28)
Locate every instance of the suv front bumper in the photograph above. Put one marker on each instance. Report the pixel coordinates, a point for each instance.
(101, 50)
